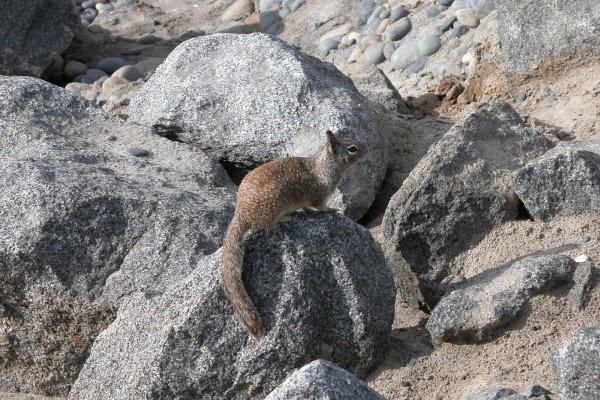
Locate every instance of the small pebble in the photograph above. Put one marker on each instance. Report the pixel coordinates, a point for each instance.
(471, 68)
(382, 26)
(404, 383)
(353, 37)
(88, 4)
(104, 7)
(547, 90)
(550, 101)
(137, 151)
(398, 13)
(88, 14)
(297, 4)
(388, 50)
(416, 66)
(484, 8)
(238, 10)
(384, 14)
(466, 17)
(77, 87)
(447, 23)
(404, 56)
(374, 53)
(110, 64)
(372, 26)
(83, 78)
(284, 12)
(586, 239)
(148, 65)
(147, 39)
(128, 72)
(459, 4)
(433, 11)
(74, 68)
(459, 29)
(112, 84)
(398, 30)
(521, 96)
(445, 2)
(368, 41)
(90, 95)
(348, 51)
(95, 74)
(365, 9)
(357, 22)
(338, 32)
(123, 3)
(356, 52)
(375, 14)
(327, 45)
(429, 44)
(251, 20)
(111, 138)
(454, 43)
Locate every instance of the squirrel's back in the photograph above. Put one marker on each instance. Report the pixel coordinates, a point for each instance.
(277, 188)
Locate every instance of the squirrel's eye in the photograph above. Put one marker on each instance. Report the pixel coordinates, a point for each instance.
(352, 150)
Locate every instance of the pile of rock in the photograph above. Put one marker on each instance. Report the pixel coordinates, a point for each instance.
(387, 31)
(110, 83)
(89, 9)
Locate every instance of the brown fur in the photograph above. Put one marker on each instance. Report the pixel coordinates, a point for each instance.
(271, 191)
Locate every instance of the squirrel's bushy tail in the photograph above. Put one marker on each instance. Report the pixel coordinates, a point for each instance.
(232, 260)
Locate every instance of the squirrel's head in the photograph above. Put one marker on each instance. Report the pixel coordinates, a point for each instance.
(344, 151)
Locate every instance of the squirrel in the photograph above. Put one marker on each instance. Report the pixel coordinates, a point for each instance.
(269, 192)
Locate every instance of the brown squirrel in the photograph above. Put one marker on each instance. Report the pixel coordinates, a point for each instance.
(270, 191)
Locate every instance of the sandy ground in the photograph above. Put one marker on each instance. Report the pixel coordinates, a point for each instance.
(414, 369)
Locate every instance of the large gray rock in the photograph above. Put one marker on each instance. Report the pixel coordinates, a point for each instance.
(252, 98)
(493, 299)
(83, 223)
(533, 29)
(456, 194)
(576, 365)
(321, 294)
(565, 181)
(377, 88)
(323, 380)
(33, 34)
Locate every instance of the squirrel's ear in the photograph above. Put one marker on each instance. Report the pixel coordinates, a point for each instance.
(331, 139)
